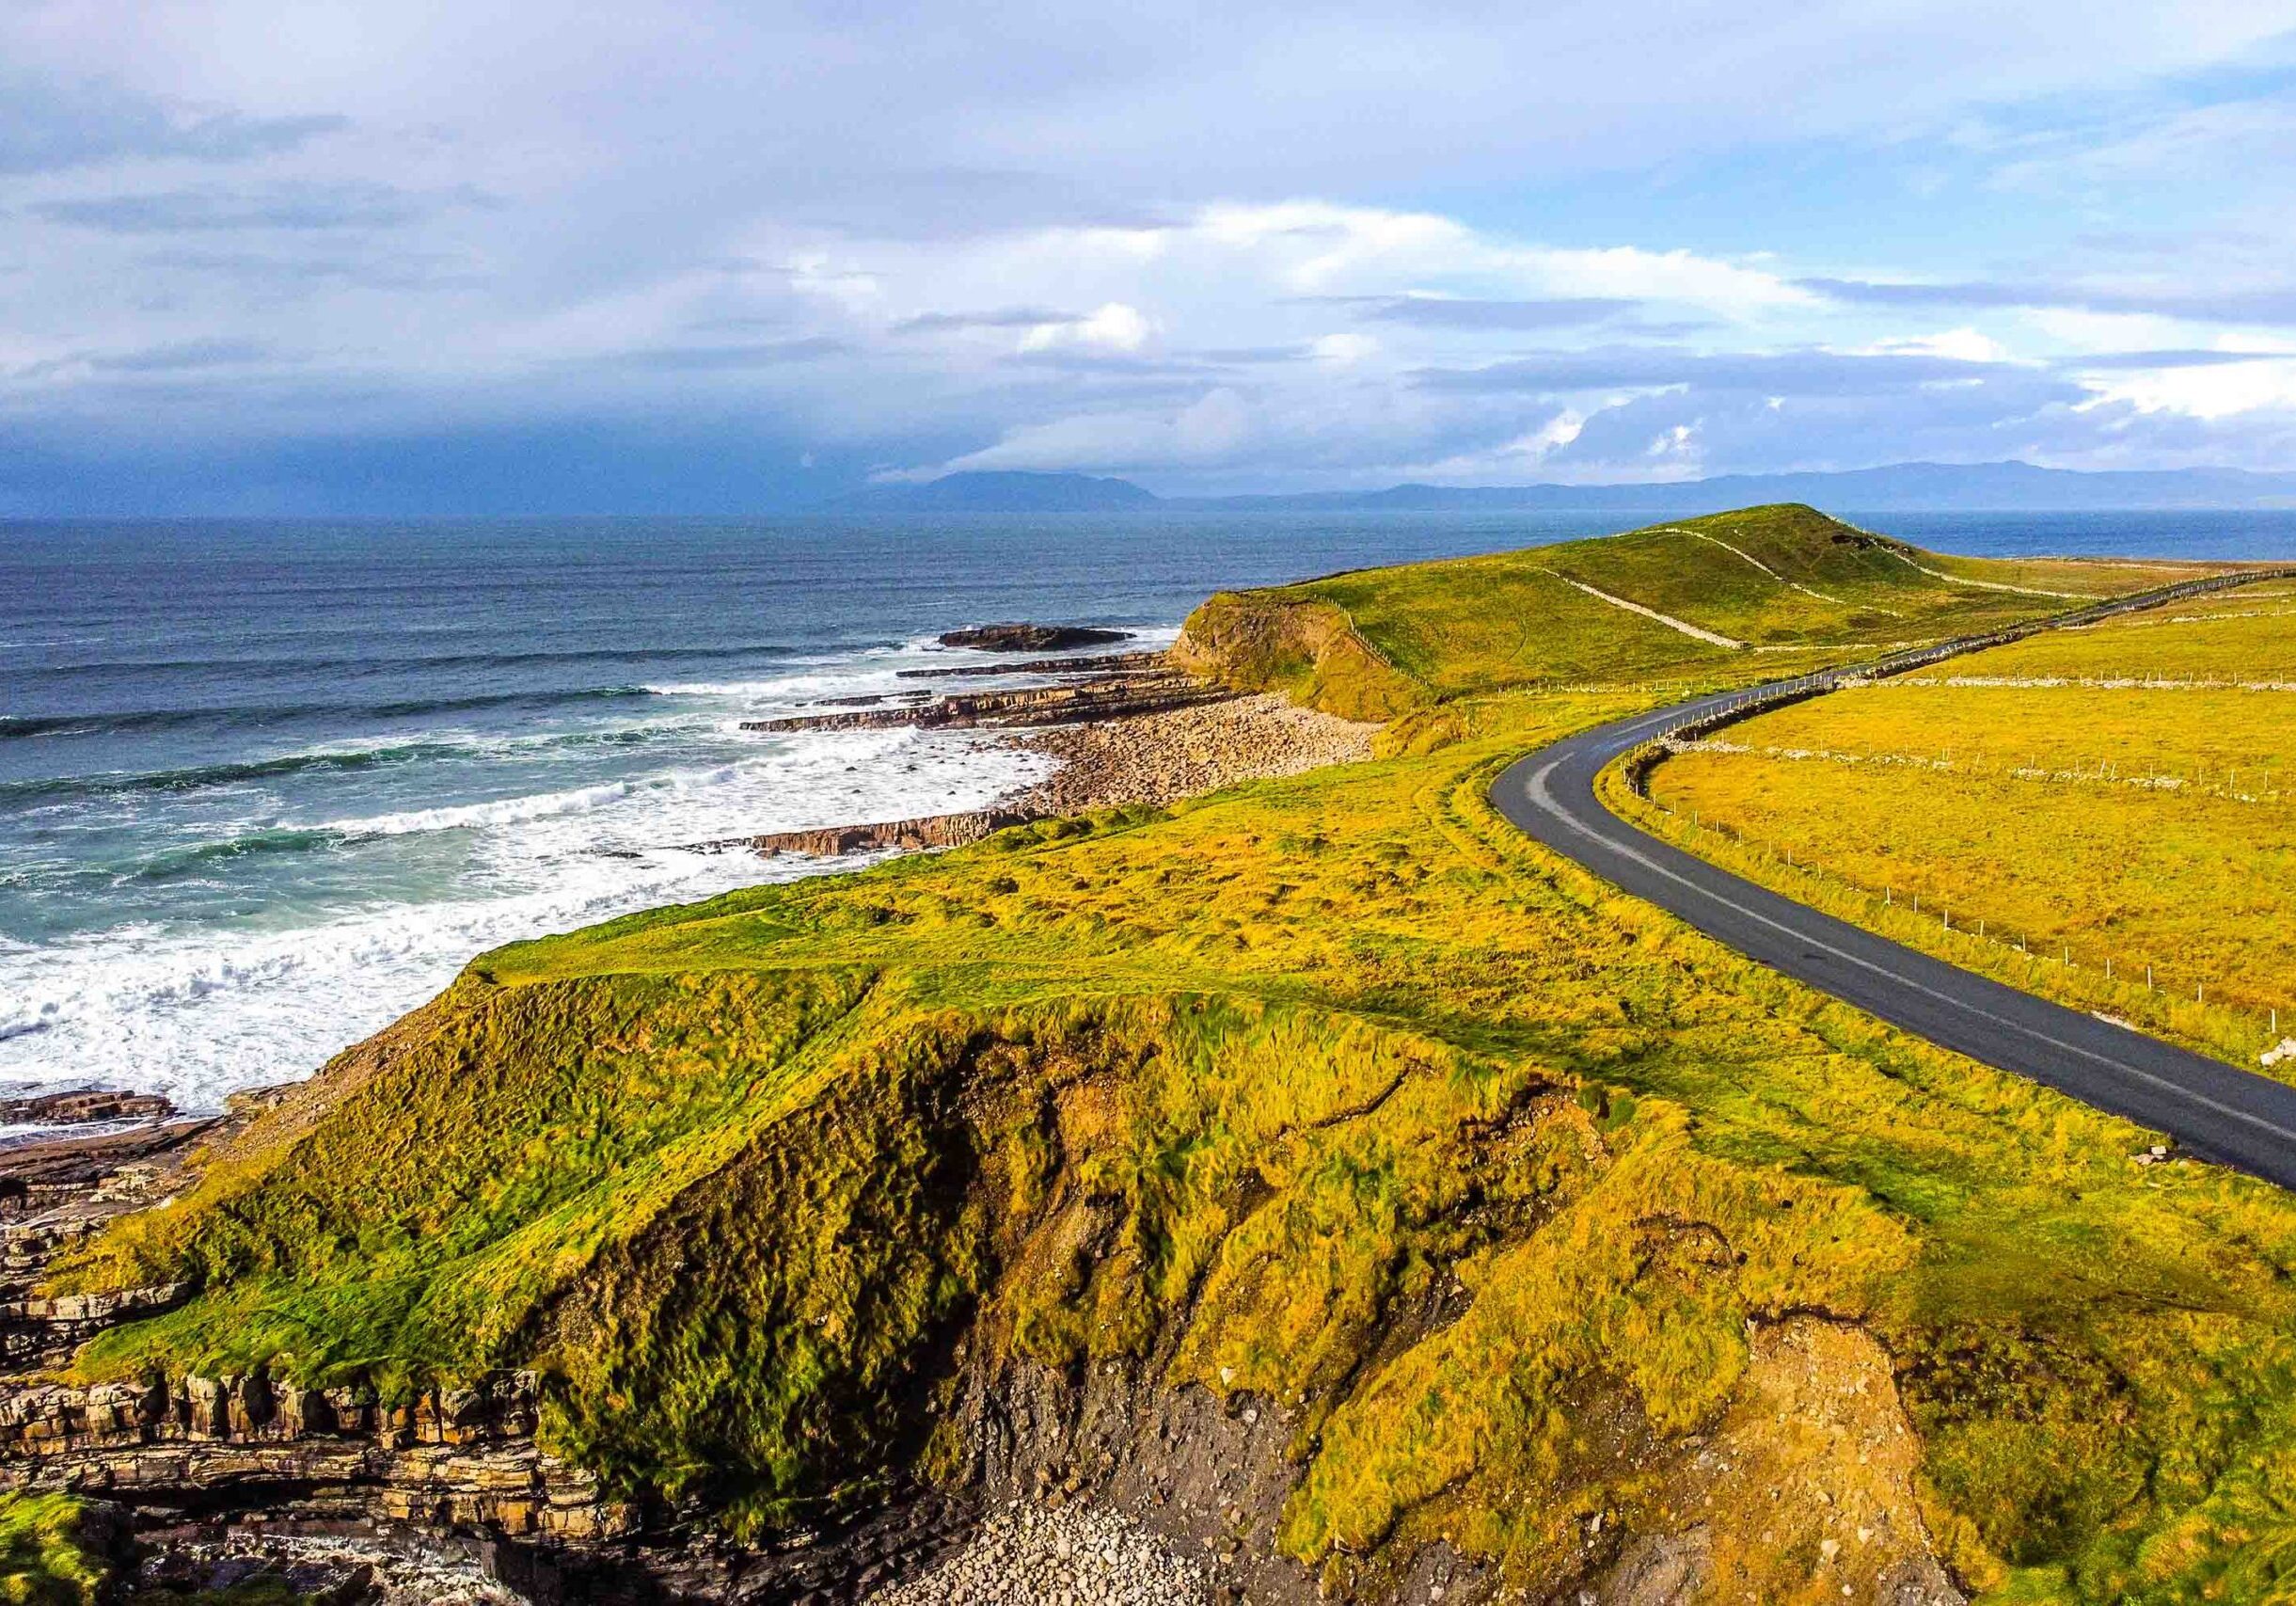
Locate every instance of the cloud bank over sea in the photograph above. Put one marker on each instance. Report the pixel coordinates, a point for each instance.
(707, 257)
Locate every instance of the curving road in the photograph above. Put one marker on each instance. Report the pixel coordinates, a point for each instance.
(2213, 1108)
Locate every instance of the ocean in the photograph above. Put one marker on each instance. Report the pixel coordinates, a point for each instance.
(266, 786)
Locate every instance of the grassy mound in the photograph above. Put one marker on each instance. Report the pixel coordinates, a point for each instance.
(1336, 1090)
(1801, 587)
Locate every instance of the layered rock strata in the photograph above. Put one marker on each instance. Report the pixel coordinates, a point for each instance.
(83, 1106)
(1096, 663)
(454, 1457)
(1095, 699)
(930, 831)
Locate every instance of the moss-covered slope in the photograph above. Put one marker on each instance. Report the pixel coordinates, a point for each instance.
(1333, 1090)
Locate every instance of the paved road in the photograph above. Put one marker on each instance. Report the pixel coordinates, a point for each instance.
(2215, 1110)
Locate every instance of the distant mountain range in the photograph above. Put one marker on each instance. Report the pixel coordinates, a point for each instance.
(1900, 488)
(1011, 492)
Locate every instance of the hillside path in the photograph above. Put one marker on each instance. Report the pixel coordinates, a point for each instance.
(2215, 1110)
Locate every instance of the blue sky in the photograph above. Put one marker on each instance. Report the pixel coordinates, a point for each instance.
(351, 258)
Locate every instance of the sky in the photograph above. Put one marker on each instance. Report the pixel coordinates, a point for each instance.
(523, 257)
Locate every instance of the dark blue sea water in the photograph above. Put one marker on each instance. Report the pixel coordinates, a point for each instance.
(265, 787)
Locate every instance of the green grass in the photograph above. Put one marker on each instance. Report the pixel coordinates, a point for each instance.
(50, 1554)
(1804, 587)
(1253, 1083)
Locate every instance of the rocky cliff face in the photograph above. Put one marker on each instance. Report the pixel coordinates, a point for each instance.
(454, 1459)
(1163, 1431)
(443, 1496)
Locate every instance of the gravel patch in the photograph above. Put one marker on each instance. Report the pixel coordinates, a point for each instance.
(1034, 1555)
(1155, 758)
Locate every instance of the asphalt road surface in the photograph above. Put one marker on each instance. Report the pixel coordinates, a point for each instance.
(2213, 1109)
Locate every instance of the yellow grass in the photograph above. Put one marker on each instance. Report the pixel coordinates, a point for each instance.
(2099, 797)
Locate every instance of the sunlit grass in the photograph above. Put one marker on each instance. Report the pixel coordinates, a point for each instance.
(2103, 801)
(46, 1554)
(1797, 587)
(1244, 1085)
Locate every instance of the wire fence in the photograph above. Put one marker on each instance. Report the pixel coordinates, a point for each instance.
(1704, 720)
(1776, 693)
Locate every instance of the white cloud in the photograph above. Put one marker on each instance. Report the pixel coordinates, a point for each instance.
(1674, 445)
(1113, 327)
(1344, 348)
(1156, 243)
(1963, 344)
(2215, 392)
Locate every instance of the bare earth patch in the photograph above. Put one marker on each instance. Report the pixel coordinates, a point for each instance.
(1806, 1491)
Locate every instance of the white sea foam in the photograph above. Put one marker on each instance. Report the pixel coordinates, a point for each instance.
(878, 670)
(506, 811)
(197, 1013)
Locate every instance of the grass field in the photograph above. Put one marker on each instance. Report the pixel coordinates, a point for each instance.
(2119, 801)
(1270, 1075)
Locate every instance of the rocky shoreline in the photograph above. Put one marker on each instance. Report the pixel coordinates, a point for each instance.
(1161, 758)
(338, 1495)
(1125, 729)
(1072, 697)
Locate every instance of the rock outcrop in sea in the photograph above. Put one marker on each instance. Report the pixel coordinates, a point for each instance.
(1021, 637)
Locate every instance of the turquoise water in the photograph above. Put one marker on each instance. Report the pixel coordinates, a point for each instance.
(265, 787)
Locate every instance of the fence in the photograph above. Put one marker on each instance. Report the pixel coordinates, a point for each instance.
(1702, 720)
(1777, 693)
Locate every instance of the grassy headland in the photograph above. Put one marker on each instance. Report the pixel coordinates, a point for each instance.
(1788, 587)
(1512, 1194)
